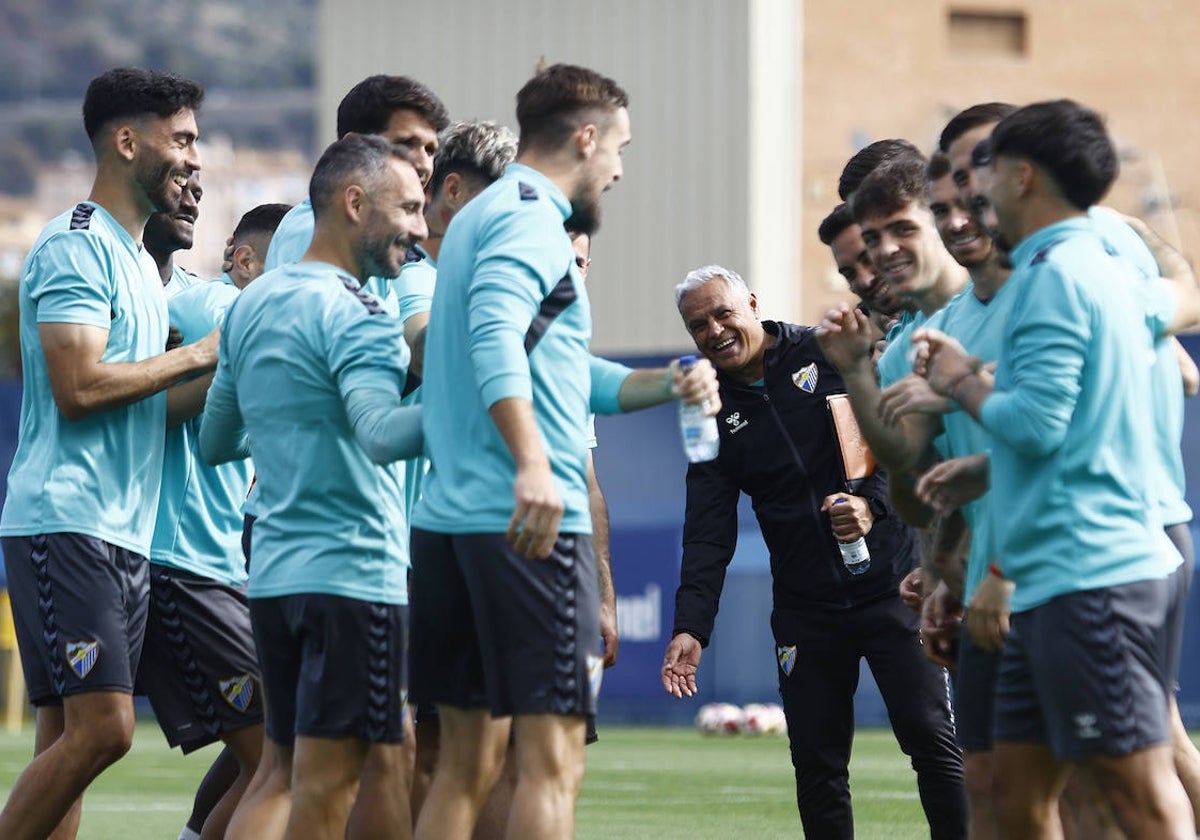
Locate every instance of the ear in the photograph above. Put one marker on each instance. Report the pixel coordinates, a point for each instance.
(586, 139)
(1026, 175)
(354, 203)
(754, 304)
(125, 141)
(243, 255)
(453, 192)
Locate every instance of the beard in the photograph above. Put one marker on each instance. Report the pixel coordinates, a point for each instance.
(378, 259)
(585, 216)
(155, 179)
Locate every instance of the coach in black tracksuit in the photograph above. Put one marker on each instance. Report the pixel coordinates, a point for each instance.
(778, 447)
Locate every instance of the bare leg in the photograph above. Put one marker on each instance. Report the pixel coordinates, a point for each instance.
(265, 807)
(428, 743)
(381, 808)
(1145, 793)
(325, 774)
(493, 819)
(977, 779)
(245, 746)
(1084, 811)
(1026, 784)
(1187, 760)
(221, 775)
(549, 774)
(468, 764)
(97, 731)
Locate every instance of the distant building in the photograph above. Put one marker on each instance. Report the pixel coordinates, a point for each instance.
(745, 110)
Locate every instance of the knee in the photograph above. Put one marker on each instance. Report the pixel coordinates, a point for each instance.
(977, 774)
(103, 734)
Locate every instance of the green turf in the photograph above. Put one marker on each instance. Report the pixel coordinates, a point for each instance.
(641, 783)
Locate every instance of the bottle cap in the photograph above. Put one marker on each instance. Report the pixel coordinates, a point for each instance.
(686, 362)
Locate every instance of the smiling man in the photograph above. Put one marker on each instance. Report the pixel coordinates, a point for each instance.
(778, 447)
(167, 233)
(84, 485)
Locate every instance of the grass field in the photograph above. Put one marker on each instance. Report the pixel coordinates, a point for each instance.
(641, 783)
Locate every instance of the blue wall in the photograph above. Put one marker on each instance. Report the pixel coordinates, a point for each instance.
(641, 467)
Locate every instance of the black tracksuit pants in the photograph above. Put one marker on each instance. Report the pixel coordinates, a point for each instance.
(818, 700)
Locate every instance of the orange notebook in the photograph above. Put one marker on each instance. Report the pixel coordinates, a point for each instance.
(858, 461)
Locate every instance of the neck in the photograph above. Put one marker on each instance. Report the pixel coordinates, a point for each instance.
(756, 368)
(334, 247)
(557, 169)
(165, 262)
(951, 279)
(988, 277)
(118, 194)
(1041, 212)
(433, 245)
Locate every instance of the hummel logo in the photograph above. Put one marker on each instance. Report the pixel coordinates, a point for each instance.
(735, 420)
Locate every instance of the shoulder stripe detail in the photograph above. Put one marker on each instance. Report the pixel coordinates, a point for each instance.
(1042, 255)
(81, 216)
(560, 297)
(412, 255)
(527, 192)
(364, 297)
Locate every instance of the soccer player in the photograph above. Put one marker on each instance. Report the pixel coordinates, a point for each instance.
(198, 666)
(843, 235)
(166, 233)
(311, 372)
(500, 642)
(778, 447)
(84, 483)
(1069, 415)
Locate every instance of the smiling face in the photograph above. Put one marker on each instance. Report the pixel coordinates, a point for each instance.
(410, 129)
(166, 233)
(395, 221)
(854, 264)
(165, 158)
(963, 236)
(905, 248)
(599, 170)
(723, 322)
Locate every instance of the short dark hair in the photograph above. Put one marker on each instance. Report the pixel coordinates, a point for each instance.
(892, 186)
(838, 220)
(361, 157)
(866, 159)
(264, 218)
(133, 92)
(939, 167)
(971, 118)
(368, 106)
(551, 104)
(1068, 141)
(476, 149)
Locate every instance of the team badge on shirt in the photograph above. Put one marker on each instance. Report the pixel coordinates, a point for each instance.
(238, 691)
(82, 656)
(595, 669)
(806, 378)
(786, 654)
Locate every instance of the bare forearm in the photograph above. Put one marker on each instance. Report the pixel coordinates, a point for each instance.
(950, 542)
(645, 388)
(186, 400)
(517, 425)
(897, 447)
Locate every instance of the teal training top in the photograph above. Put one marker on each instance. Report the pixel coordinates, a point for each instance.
(179, 281)
(199, 525)
(505, 255)
(288, 245)
(897, 359)
(312, 367)
(1071, 423)
(1167, 381)
(979, 327)
(414, 296)
(100, 475)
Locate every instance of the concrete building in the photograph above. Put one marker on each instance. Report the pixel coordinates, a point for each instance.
(745, 110)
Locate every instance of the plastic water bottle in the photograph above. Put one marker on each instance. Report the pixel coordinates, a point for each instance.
(701, 441)
(855, 555)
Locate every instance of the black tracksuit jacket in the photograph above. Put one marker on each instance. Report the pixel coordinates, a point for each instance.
(778, 446)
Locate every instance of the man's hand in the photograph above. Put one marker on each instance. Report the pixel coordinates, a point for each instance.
(987, 618)
(679, 665)
(227, 256)
(698, 386)
(174, 337)
(949, 485)
(912, 589)
(608, 633)
(534, 524)
(941, 360)
(910, 395)
(941, 621)
(849, 516)
(845, 338)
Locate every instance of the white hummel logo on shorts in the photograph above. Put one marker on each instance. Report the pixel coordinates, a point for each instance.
(1085, 726)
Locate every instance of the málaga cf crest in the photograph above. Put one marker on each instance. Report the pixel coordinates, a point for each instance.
(806, 378)
(237, 691)
(82, 656)
(786, 654)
